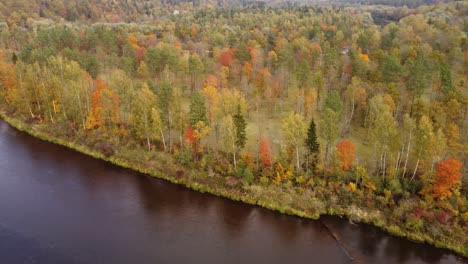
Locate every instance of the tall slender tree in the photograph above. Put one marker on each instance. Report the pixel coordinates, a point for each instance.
(311, 142)
(197, 109)
(295, 130)
(239, 122)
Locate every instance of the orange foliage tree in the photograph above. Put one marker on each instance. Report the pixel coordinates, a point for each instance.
(346, 154)
(94, 119)
(211, 80)
(190, 136)
(265, 152)
(364, 57)
(448, 174)
(7, 79)
(225, 59)
(104, 106)
(247, 71)
(139, 51)
(261, 80)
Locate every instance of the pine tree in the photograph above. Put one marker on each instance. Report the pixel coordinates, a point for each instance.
(311, 140)
(239, 122)
(312, 144)
(197, 109)
(446, 79)
(14, 58)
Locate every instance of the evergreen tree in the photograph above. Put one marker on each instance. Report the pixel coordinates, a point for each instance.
(446, 79)
(197, 109)
(311, 140)
(239, 122)
(312, 144)
(242, 53)
(14, 58)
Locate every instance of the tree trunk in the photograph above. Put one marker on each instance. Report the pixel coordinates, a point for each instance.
(36, 97)
(407, 155)
(50, 112)
(297, 157)
(5, 94)
(170, 133)
(163, 139)
(234, 157)
(398, 160)
(384, 164)
(412, 104)
(22, 90)
(381, 162)
(326, 152)
(149, 144)
(415, 170)
(181, 139)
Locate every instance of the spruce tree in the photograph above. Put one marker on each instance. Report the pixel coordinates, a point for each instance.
(239, 122)
(14, 58)
(311, 140)
(197, 109)
(446, 79)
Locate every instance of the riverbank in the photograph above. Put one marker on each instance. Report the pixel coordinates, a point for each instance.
(287, 199)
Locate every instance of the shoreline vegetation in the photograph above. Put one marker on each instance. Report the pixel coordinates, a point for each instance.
(200, 181)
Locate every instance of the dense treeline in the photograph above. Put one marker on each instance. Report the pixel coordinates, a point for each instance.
(22, 12)
(318, 102)
(408, 3)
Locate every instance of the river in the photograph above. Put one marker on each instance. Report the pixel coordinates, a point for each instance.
(59, 206)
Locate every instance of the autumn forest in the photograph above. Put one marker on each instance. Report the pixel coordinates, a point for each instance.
(343, 109)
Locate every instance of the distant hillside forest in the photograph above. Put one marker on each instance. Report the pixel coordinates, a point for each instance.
(408, 3)
(119, 10)
(19, 11)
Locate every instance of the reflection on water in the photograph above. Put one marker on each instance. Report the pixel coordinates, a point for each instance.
(58, 206)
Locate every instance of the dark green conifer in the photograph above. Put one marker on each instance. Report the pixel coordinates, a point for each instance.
(239, 122)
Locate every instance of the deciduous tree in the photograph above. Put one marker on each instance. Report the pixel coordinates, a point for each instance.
(294, 129)
(447, 180)
(266, 155)
(142, 115)
(345, 151)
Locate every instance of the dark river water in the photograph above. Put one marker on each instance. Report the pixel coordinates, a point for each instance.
(59, 206)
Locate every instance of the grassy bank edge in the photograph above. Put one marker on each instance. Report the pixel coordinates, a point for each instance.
(203, 188)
